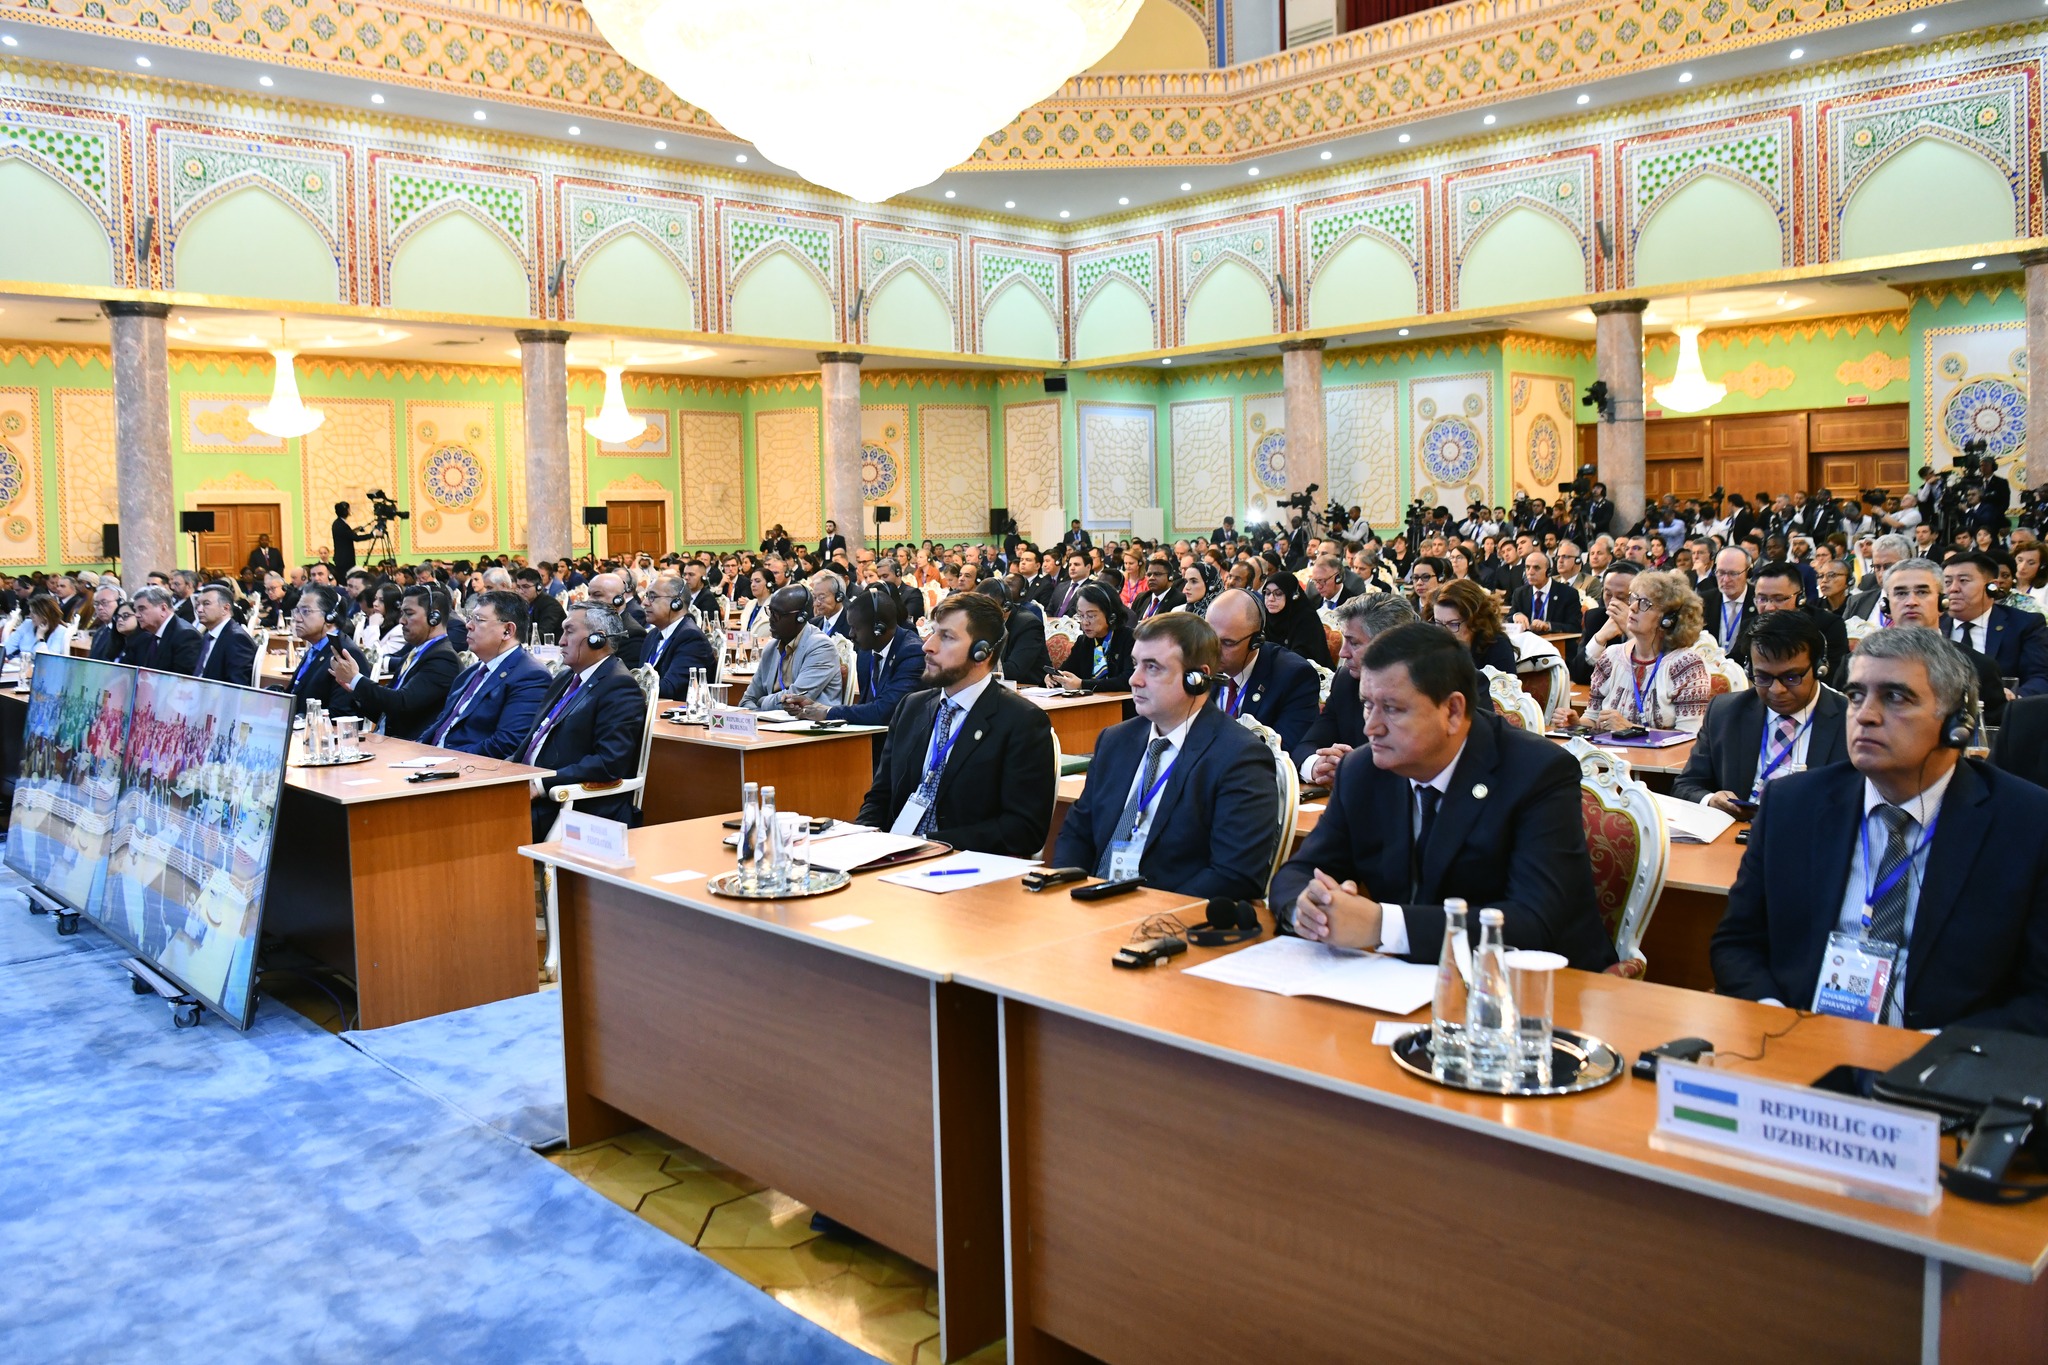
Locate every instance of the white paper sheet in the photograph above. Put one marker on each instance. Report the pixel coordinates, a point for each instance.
(419, 762)
(1038, 691)
(840, 923)
(960, 871)
(1688, 822)
(1292, 966)
(776, 713)
(845, 852)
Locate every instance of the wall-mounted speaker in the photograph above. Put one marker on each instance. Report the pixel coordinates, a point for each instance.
(1055, 383)
(191, 523)
(884, 512)
(998, 520)
(110, 540)
(595, 516)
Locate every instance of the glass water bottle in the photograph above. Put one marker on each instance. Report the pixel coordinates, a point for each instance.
(1492, 1026)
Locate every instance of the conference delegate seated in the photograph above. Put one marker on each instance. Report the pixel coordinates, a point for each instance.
(2017, 641)
(1443, 802)
(491, 706)
(1908, 855)
(227, 651)
(1024, 660)
(313, 619)
(1341, 726)
(888, 664)
(590, 720)
(1737, 752)
(162, 639)
(798, 657)
(113, 622)
(1101, 658)
(1653, 677)
(609, 589)
(1543, 603)
(1181, 796)
(1913, 597)
(674, 644)
(966, 761)
(420, 679)
(1265, 681)
(1776, 586)
(1467, 611)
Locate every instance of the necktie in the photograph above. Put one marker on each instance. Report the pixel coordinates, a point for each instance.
(1229, 697)
(540, 731)
(1788, 732)
(654, 659)
(454, 713)
(205, 651)
(1888, 916)
(928, 790)
(1429, 798)
(1969, 635)
(1543, 605)
(1155, 752)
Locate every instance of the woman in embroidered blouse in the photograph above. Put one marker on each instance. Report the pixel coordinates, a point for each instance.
(1654, 677)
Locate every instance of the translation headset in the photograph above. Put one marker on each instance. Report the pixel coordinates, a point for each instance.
(437, 605)
(1959, 725)
(1229, 922)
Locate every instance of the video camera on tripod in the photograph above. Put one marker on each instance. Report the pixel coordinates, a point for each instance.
(383, 511)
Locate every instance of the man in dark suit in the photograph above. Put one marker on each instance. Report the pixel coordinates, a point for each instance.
(1909, 851)
(1038, 585)
(590, 721)
(410, 702)
(161, 639)
(2022, 744)
(183, 583)
(1256, 677)
(1736, 752)
(908, 598)
(887, 664)
(1077, 539)
(1866, 602)
(966, 761)
(1728, 606)
(1543, 603)
(703, 597)
(266, 558)
(1599, 516)
(1180, 796)
(828, 603)
(1341, 726)
(1776, 587)
(1226, 534)
(1912, 597)
(675, 645)
(831, 542)
(1162, 591)
(315, 619)
(491, 706)
(1066, 598)
(1024, 658)
(227, 652)
(2017, 641)
(1444, 802)
(544, 609)
(1297, 543)
(113, 621)
(343, 554)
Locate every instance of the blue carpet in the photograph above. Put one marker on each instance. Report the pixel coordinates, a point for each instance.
(500, 1063)
(277, 1196)
(26, 937)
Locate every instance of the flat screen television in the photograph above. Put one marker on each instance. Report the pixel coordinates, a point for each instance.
(61, 831)
(197, 813)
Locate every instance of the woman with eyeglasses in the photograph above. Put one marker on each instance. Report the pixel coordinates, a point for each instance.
(1653, 677)
(1101, 658)
(1291, 619)
(1460, 560)
(1426, 578)
(1467, 611)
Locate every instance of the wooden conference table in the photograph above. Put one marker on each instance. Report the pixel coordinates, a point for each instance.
(1156, 1121)
(829, 1056)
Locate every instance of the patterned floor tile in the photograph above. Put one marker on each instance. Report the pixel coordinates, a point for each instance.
(767, 1219)
(681, 1209)
(889, 1323)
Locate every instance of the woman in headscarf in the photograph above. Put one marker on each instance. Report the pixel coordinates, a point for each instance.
(1199, 585)
(1292, 622)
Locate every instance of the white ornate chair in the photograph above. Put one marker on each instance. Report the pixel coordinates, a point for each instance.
(1515, 706)
(262, 638)
(1541, 667)
(1629, 846)
(1060, 635)
(849, 668)
(1290, 793)
(567, 797)
(1725, 674)
(1324, 677)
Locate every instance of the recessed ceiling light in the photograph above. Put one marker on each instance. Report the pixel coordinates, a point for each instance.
(1009, 203)
(1488, 120)
(265, 81)
(1064, 214)
(1685, 78)
(1585, 99)
(949, 194)
(1402, 138)
(376, 99)
(1166, 360)
(1796, 53)
(144, 61)
(479, 115)
(1326, 156)
(1254, 170)
(1402, 332)
(1918, 28)
(1123, 199)
(1978, 266)
(740, 159)
(661, 146)
(8, 39)
(574, 131)
(1185, 187)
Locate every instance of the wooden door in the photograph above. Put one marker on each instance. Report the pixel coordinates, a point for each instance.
(1858, 448)
(1767, 450)
(236, 525)
(635, 527)
(1675, 457)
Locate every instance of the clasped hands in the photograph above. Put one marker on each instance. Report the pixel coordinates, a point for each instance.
(802, 707)
(1336, 913)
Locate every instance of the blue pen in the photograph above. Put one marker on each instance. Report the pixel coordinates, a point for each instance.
(950, 871)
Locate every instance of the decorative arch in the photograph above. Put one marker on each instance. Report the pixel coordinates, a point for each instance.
(1358, 282)
(594, 255)
(1034, 295)
(1925, 132)
(1122, 277)
(1110, 287)
(906, 310)
(454, 204)
(783, 254)
(42, 247)
(1712, 224)
(1537, 270)
(197, 213)
(1931, 193)
(919, 268)
(453, 265)
(11, 150)
(1029, 285)
(1217, 277)
(1367, 230)
(634, 228)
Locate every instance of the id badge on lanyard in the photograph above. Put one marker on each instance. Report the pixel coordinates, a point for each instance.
(1127, 854)
(1855, 976)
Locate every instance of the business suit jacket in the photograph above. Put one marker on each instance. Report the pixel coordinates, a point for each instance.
(1115, 678)
(1862, 603)
(595, 739)
(1978, 951)
(1724, 757)
(1079, 540)
(1025, 661)
(1281, 693)
(1740, 523)
(185, 611)
(1143, 606)
(827, 544)
(1065, 597)
(2018, 644)
(1341, 721)
(177, 651)
(270, 559)
(1214, 823)
(881, 692)
(706, 602)
(501, 714)
(996, 790)
(1508, 835)
(1564, 610)
(109, 645)
(2022, 744)
(813, 669)
(1712, 609)
(545, 614)
(686, 648)
(316, 683)
(408, 710)
(233, 656)
(1834, 633)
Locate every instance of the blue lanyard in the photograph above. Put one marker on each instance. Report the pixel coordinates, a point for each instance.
(1647, 687)
(1237, 691)
(935, 754)
(1731, 625)
(781, 666)
(1763, 751)
(1145, 799)
(1873, 894)
(311, 654)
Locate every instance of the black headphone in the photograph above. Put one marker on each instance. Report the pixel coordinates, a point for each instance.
(331, 612)
(1257, 639)
(437, 605)
(1959, 726)
(619, 602)
(982, 651)
(1196, 681)
(1229, 922)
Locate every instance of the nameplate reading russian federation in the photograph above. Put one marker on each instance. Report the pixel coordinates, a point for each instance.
(738, 723)
(595, 839)
(1794, 1132)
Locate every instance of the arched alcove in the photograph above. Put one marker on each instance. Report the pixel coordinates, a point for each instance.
(1366, 281)
(1932, 194)
(1019, 324)
(1711, 228)
(1524, 255)
(906, 312)
(251, 243)
(1116, 321)
(46, 234)
(457, 265)
(778, 298)
(1231, 302)
(630, 283)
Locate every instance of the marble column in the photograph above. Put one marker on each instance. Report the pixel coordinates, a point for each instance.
(839, 378)
(544, 385)
(1308, 461)
(1618, 356)
(2036, 264)
(142, 440)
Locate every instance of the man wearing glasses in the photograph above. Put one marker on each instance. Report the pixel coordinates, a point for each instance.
(1785, 723)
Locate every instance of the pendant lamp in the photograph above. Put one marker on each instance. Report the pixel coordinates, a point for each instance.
(1689, 390)
(614, 424)
(284, 416)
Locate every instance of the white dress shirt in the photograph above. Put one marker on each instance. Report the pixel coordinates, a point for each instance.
(1393, 920)
(1924, 808)
(1974, 633)
(1800, 743)
(1175, 738)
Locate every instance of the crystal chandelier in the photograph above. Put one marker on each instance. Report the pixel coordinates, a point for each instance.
(869, 99)
(284, 416)
(1689, 390)
(614, 423)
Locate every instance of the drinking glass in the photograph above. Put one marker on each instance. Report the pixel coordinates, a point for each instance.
(793, 849)
(1533, 974)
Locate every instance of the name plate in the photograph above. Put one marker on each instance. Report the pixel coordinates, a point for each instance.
(595, 839)
(736, 721)
(1793, 1132)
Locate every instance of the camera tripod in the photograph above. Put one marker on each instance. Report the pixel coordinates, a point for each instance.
(379, 547)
